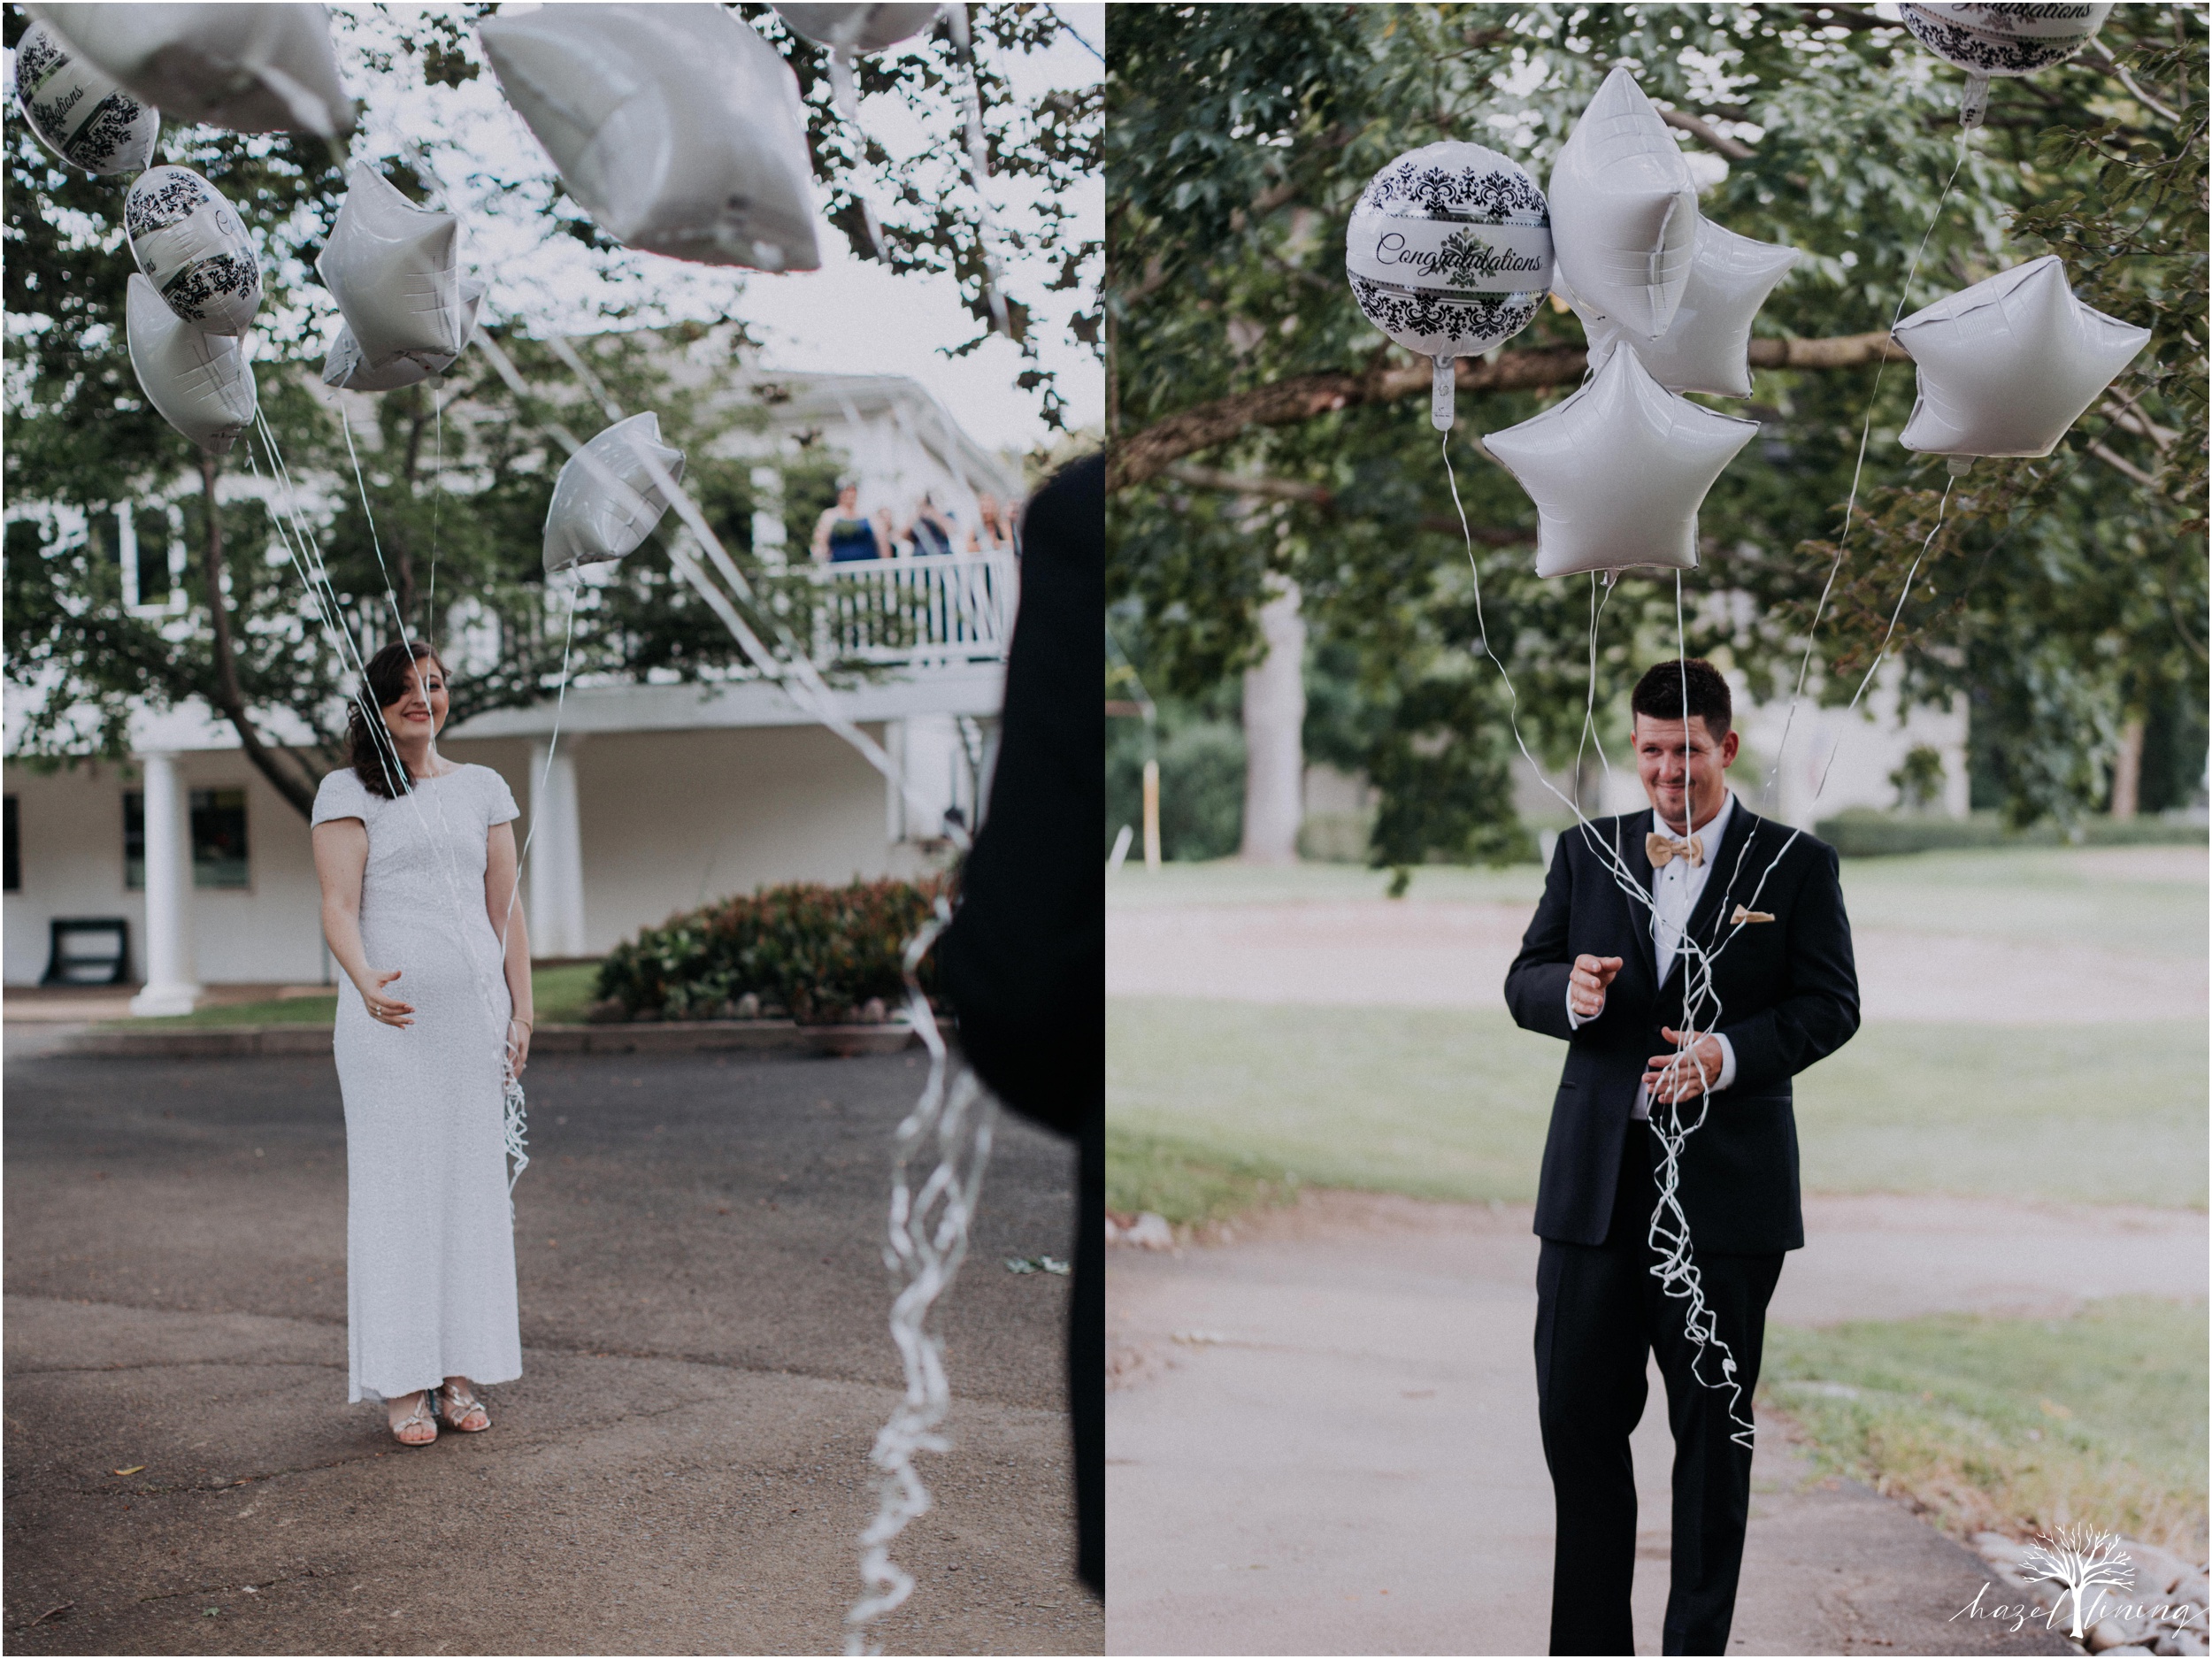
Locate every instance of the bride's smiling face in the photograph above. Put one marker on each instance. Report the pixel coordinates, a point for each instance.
(420, 710)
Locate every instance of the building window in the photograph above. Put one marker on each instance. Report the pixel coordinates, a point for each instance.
(219, 838)
(11, 848)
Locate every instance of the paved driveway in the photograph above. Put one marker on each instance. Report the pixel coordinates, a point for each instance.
(682, 1467)
(1324, 1438)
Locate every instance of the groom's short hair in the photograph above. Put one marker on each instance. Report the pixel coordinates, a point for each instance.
(1667, 685)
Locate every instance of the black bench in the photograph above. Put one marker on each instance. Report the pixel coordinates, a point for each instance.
(107, 961)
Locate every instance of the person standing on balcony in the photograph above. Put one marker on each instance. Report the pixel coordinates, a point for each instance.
(995, 534)
(930, 530)
(843, 533)
(416, 858)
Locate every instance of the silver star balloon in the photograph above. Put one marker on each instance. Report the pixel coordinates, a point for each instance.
(395, 270)
(2006, 366)
(1706, 348)
(677, 128)
(606, 500)
(1617, 471)
(1624, 209)
(859, 28)
(200, 383)
(250, 68)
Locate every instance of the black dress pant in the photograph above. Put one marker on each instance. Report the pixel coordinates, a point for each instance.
(1599, 1311)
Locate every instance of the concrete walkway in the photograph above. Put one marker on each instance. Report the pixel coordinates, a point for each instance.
(681, 1469)
(1323, 1435)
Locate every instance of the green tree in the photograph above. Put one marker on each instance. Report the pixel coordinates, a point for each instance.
(1257, 422)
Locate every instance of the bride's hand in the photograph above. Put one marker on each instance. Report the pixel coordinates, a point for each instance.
(519, 1043)
(386, 1011)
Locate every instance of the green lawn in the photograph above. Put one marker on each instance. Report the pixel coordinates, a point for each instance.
(1453, 1104)
(2044, 896)
(1225, 881)
(561, 995)
(2014, 1423)
(1213, 1105)
(2051, 897)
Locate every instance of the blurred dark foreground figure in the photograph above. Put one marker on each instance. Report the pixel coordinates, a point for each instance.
(1025, 959)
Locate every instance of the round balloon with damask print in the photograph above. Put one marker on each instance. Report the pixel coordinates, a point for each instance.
(1448, 250)
(194, 250)
(2001, 39)
(79, 111)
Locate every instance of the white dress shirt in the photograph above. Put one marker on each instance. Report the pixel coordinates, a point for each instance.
(1675, 889)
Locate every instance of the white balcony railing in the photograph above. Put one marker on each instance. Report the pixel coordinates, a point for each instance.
(911, 612)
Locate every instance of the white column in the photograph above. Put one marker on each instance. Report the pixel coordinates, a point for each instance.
(555, 872)
(1274, 733)
(895, 745)
(169, 986)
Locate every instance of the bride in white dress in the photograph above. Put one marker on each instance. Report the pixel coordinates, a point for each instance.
(416, 856)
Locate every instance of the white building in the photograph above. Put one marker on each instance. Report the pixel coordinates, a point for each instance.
(656, 798)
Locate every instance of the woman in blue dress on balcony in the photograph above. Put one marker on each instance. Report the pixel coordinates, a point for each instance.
(843, 534)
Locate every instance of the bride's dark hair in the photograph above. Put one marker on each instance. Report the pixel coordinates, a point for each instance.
(369, 744)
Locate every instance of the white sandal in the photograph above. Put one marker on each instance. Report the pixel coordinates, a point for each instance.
(461, 1410)
(420, 1417)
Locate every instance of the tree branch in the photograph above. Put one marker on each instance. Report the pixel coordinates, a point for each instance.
(1315, 495)
(286, 781)
(1144, 455)
(2126, 415)
(1707, 135)
(2128, 80)
(2123, 465)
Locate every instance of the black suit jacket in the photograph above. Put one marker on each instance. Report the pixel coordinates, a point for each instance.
(1023, 962)
(1788, 995)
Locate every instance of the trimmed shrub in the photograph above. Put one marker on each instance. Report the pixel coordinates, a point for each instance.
(818, 953)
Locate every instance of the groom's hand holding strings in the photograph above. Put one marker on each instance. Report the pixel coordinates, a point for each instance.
(1585, 985)
(1688, 1072)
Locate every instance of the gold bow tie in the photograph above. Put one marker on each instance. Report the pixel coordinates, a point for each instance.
(1662, 848)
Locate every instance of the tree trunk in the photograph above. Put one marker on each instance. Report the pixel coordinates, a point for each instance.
(1274, 727)
(290, 776)
(2127, 772)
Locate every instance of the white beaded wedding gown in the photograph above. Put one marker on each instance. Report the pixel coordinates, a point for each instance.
(430, 1252)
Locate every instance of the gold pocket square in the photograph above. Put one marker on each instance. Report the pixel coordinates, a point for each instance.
(1742, 916)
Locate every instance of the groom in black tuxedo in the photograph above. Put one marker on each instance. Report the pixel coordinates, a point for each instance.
(1726, 973)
